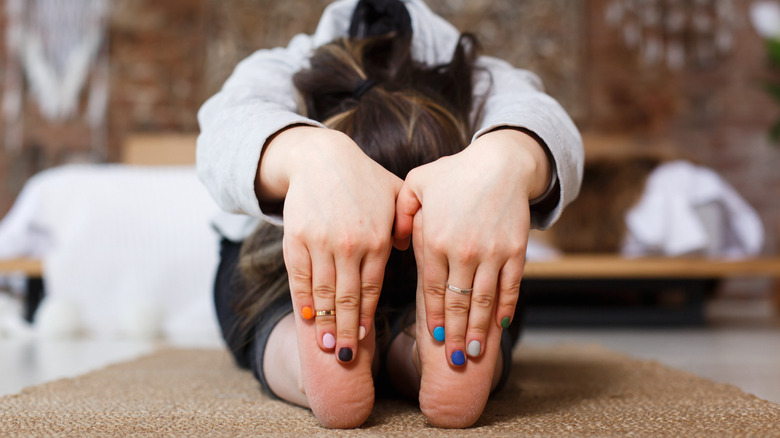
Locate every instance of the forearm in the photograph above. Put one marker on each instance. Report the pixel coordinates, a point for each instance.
(272, 177)
(299, 150)
(517, 148)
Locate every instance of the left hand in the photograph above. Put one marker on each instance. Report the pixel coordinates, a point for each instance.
(469, 218)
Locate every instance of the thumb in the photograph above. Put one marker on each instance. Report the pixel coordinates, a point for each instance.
(406, 206)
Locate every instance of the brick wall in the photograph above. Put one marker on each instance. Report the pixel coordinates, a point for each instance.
(157, 54)
(168, 56)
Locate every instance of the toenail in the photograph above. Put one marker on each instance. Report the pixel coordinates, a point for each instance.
(328, 340)
(458, 358)
(307, 313)
(474, 348)
(362, 333)
(438, 334)
(505, 322)
(345, 354)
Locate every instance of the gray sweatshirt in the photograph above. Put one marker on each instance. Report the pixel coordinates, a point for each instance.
(259, 99)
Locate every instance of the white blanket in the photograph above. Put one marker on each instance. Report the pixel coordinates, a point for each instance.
(689, 209)
(126, 250)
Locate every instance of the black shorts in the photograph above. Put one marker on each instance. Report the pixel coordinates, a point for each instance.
(395, 311)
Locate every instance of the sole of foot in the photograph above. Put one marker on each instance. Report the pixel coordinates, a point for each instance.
(450, 396)
(341, 396)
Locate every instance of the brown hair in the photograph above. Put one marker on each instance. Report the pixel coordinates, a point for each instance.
(401, 113)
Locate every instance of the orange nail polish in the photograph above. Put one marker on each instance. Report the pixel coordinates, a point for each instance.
(307, 313)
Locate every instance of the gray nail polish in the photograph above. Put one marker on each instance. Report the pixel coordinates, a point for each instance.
(474, 348)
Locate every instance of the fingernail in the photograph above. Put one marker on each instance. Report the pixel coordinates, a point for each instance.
(505, 322)
(458, 358)
(307, 313)
(474, 348)
(328, 341)
(362, 333)
(438, 334)
(345, 354)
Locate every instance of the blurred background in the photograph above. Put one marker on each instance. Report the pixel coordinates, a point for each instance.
(698, 89)
(692, 79)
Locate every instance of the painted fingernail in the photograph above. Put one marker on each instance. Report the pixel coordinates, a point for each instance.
(474, 348)
(328, 341)
(345, 354)
(362, 332)
(458, 358)
(438, 334)
(307, 313)
(505, 322)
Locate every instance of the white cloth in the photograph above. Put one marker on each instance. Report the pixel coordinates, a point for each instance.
(130, 247)
(689, 209)
(259, 99)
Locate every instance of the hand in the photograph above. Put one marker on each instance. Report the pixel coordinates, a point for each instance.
(469, 217)
(338, 216)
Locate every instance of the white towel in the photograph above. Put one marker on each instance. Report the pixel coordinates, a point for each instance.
(689, 209)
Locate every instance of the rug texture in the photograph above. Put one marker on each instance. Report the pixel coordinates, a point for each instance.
(565, 390)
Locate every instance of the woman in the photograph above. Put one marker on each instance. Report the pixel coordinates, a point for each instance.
(468, 213)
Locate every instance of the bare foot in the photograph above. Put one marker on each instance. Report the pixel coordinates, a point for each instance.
(341, 396)
(454, 397)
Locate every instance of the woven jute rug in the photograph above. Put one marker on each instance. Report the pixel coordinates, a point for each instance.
(566, 390)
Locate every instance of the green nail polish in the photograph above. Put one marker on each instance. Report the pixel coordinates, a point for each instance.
(505, 322)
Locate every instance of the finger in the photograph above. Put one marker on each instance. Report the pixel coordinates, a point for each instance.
(509, 290)
(406, 206)
(434, 282)
(324, 298)
(347, 307)
(371, 278)
(298, 263)
(456, 311)
(482, 308)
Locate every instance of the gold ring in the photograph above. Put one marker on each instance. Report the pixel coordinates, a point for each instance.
(325, 312)
(460, 290)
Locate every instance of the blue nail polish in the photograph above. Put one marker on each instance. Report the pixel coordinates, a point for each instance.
(458, 358)
(438, 334)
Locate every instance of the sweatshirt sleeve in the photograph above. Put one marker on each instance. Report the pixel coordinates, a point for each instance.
(257, 101)
(514, 98)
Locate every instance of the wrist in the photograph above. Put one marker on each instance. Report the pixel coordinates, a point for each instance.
(297, 151)
(523, 151)
(273, 171)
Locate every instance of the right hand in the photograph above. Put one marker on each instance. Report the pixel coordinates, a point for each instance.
(339, 207)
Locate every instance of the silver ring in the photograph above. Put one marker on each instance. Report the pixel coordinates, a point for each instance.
(325, 312)
(459, 290)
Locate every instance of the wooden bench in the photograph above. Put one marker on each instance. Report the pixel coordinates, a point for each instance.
(688, 280)
(32, 271)
(613, 266)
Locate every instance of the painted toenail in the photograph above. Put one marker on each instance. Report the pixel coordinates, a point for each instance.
(438, 334)
(307, 313)
(505, 322)
(345, 354)
(458, 358)
(362, 333)
(328, 341)
(474, 348)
